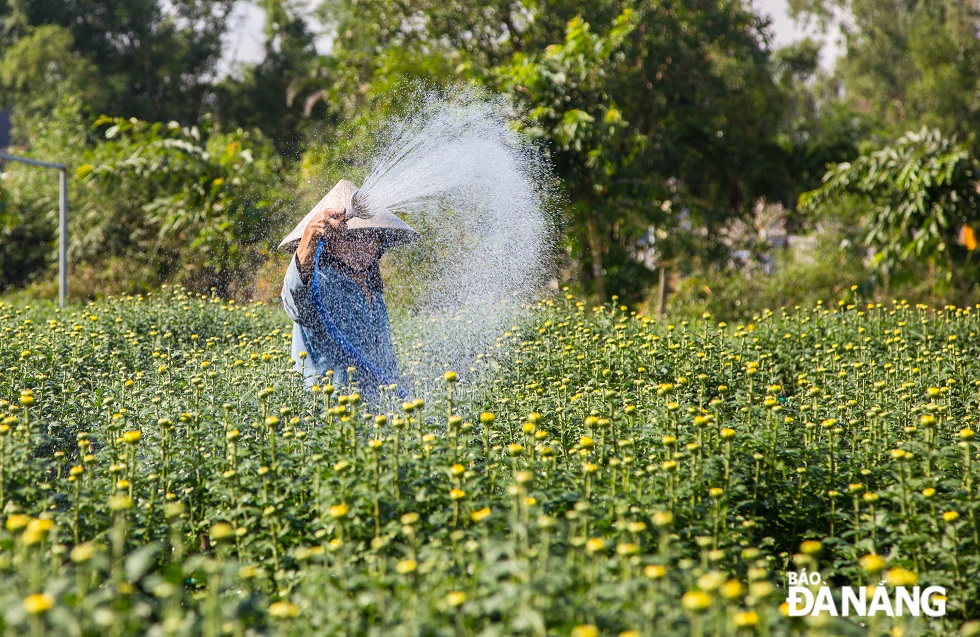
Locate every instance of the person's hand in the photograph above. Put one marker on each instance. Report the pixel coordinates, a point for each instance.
(329, 221)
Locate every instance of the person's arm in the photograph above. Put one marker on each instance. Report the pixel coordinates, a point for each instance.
(296, 299)
(332, 220)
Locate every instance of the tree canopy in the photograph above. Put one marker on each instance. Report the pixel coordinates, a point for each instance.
(153, 60)
(908, 63)
(667, 122)
(924, 200)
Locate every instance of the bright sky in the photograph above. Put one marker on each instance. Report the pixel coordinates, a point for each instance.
(244, 39)
(786, 31)
(783, 27)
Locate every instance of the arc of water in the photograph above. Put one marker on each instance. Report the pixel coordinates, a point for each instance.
(482, 198)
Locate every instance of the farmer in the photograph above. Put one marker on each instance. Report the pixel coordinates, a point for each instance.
(338, 312)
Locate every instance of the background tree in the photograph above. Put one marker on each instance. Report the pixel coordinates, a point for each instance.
(908, 63)
(201, 203)
(39, 69)
(667, 122)
(154, 60)
(277, 95)
(815, 128)
(923, 200)
(661, 119)
(29, 203)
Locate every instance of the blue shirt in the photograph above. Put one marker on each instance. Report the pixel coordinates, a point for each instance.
(364, 324)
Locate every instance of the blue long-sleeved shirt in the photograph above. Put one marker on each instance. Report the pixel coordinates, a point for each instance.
(365, 325)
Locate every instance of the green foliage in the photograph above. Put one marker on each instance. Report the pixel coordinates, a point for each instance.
(815, 128)
(567, 91)
(197, 197)
(908, 63)
(664, 119)
(798, 277)
(40, 68)
(462, 36)
(29, 196)
(153, 60)
(26, 245)
(921, 190)
(281, 95)
(650, 127)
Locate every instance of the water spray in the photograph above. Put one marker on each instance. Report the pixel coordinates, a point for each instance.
(479, 195)
(354, 210)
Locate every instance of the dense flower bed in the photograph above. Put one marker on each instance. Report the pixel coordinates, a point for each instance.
(163, 471)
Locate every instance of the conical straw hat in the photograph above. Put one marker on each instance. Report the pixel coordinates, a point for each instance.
(396, 231)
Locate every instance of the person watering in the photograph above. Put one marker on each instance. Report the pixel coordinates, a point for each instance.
(334, 294)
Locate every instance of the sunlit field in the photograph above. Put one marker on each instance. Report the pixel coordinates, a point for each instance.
(163, 471)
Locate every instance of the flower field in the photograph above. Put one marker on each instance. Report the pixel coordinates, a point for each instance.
(164, 472)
